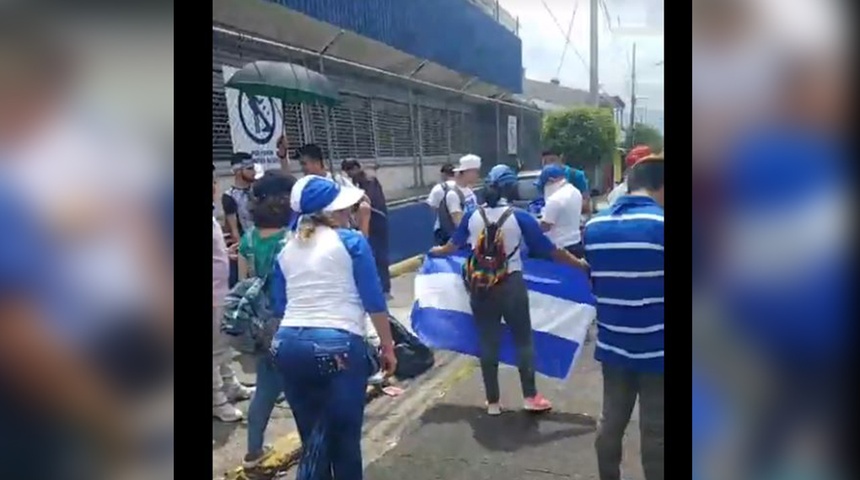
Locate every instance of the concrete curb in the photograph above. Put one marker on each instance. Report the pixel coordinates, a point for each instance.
(287, 450)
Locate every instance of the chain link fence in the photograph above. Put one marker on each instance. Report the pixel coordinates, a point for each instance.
(383, 120)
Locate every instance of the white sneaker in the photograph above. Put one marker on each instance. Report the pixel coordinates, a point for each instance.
(237, 392)
(227, 413)
(494, 409)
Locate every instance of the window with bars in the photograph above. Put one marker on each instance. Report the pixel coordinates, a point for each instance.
(434, 132)
(394, 129)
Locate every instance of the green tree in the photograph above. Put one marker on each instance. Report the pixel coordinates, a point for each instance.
(647, 135)
(585, 135)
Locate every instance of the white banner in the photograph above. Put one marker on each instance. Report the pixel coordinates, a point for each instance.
(256, 123)
(512, 135)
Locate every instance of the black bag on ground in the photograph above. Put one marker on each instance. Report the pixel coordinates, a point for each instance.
(413, 357)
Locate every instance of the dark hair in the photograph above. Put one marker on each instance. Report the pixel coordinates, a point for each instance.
(550, 151)
(647, 175)
(270, 206)
(312, 151)
(240, 157)
(493, 194)
(349, 164)
(447, 169)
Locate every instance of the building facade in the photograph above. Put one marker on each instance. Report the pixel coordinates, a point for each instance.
(422, 83)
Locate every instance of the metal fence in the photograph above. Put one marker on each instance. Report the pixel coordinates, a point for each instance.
(386, 120)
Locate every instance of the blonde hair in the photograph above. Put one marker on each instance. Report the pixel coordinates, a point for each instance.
(309, 223)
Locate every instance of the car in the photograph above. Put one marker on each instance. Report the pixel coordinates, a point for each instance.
(528, 193)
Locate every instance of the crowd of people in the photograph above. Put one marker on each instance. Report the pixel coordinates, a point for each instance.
(319, 244)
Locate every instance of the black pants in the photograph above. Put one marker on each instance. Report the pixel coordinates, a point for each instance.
(577, 250)
(380, 254)
(509, 301)
(621, 389)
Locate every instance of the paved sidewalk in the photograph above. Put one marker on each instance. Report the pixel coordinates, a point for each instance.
(456, 440)
(230, 439)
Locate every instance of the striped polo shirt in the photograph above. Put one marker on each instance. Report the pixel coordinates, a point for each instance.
(624, 246)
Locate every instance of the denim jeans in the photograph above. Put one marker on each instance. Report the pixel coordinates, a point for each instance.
(325, 374)
(269, 387)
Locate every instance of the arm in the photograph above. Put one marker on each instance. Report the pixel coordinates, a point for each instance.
(277, 290)
(459, 239)
(434, 198)
(363, 217)
(538, 243)
(231, 215)
(367, 282)
(242, 259)
(550, 215)
(455, 207)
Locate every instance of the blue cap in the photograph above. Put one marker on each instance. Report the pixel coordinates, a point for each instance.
(501, 175)
(548, 173)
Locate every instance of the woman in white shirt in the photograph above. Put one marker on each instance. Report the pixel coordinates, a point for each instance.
(323, 284)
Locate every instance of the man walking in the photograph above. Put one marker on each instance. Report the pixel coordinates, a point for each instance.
(575, 177)
(624, 246)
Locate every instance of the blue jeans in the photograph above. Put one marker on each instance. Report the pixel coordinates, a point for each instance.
(269, 387)
(325, 378)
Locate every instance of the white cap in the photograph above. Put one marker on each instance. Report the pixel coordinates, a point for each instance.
(469, 162)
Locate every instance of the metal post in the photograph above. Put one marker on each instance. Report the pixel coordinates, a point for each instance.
(448, 129)
(594, 85)
(328, 141)
(630, 127)
(498, 134)
(374, 135)
(416, 149)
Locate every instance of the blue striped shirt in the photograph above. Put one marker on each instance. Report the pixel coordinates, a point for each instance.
(624, 246)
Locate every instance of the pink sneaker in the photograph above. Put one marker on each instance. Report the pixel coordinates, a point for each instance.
(537, 404)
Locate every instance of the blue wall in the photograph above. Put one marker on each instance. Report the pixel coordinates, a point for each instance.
(410, 230)
(453, 33)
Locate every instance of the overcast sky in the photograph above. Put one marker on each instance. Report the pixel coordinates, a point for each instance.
(627, 22)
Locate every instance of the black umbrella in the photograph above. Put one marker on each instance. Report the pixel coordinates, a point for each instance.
(286, 81)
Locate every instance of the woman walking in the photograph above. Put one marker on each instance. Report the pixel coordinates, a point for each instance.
(324, 283)
(496, 231)
(270, 212)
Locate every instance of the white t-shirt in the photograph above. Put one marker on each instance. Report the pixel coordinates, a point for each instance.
(563, 210)
(435, 197)
(470, 201)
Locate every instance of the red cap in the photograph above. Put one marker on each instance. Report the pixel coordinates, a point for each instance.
(635, 154)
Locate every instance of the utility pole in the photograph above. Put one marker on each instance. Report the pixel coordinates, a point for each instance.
(594, 85)
(630, 127)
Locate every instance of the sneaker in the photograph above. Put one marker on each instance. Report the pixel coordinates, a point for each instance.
(537, 404)
(227, 413)
(237, 392)
(251, 461)
(494, 409)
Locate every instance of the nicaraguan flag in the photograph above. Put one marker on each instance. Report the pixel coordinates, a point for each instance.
(560, 300)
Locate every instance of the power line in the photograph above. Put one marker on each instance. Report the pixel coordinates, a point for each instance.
(566, 37)
(566, 44)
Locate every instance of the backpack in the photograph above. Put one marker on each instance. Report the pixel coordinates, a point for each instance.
(413, 357)
(248, 319)
(487, 265)
(446, 220)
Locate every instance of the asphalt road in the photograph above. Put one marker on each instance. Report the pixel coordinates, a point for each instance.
(455, 440)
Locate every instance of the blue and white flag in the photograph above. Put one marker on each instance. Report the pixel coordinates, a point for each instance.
(560, 300)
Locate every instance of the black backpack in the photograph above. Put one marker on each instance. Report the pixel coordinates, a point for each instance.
(446, 220)
(413, 357)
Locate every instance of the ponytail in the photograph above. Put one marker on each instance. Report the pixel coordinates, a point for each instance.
(308, 225)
